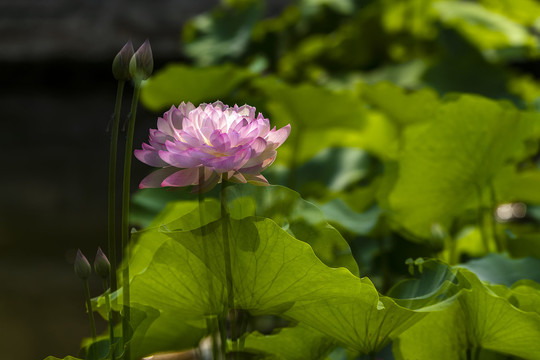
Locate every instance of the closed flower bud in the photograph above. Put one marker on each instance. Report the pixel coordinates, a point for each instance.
(142, 62)
(102, 265)
(82, 266)
(120, 67)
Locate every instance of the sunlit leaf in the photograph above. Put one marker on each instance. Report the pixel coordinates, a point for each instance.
(300, 218)
(176, 83)
(479, 318)
(402, 107)
(500, 269)
(446, 162)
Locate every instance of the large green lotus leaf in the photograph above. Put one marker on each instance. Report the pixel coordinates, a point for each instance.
(368, 331)
(177, 83)
(363, 324)
(501, 269)
(273, 273)
(526, 295)
(183, 215)
(196, 292)
(399, 105)
(292, 343)
(66, 358)
(435, 287)
(302, 219)
(480, 318)
(271, 270)
(446, 161)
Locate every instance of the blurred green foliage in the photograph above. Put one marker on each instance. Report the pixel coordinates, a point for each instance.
(414, 123)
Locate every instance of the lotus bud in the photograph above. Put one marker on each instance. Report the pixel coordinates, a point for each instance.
(102, 265)
(142, 62)
(120, 67)
(82, 266)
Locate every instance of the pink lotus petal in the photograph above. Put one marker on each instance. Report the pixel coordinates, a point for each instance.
(150, 157)
(155, 178)
(227, 163)
(258, 146)
(179, 160)
(220, 141)
(278, 137)
(257, 180)
(227, 141)
(264, 159)
(208, 184)
(181, 178)
(185, 109)
(236, 177)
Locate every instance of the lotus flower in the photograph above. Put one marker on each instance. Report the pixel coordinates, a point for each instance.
(228, 143)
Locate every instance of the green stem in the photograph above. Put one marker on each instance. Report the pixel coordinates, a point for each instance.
(501, 244)
(481, 222)
(243, 328)
(110, 322)
(222, 326)
(211, 325)
(227, 257)
(112, 184)
(125, 215)
(89, 308)
(450, 244)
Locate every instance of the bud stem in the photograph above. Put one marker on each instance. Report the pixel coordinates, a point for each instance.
(112, 345)
(112, 185)
(89, 309)
(128, 155)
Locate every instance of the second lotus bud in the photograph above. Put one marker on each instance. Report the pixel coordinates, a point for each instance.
(142, 62)
(102, 265)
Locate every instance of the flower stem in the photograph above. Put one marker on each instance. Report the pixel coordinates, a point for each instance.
(227, 257)
(501, 244)
(125, 216)
(481, 221)
(110, 322)
(89, 309)
(112, 185)
(211, 323)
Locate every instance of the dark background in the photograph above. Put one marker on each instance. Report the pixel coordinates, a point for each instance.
(56, 98)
